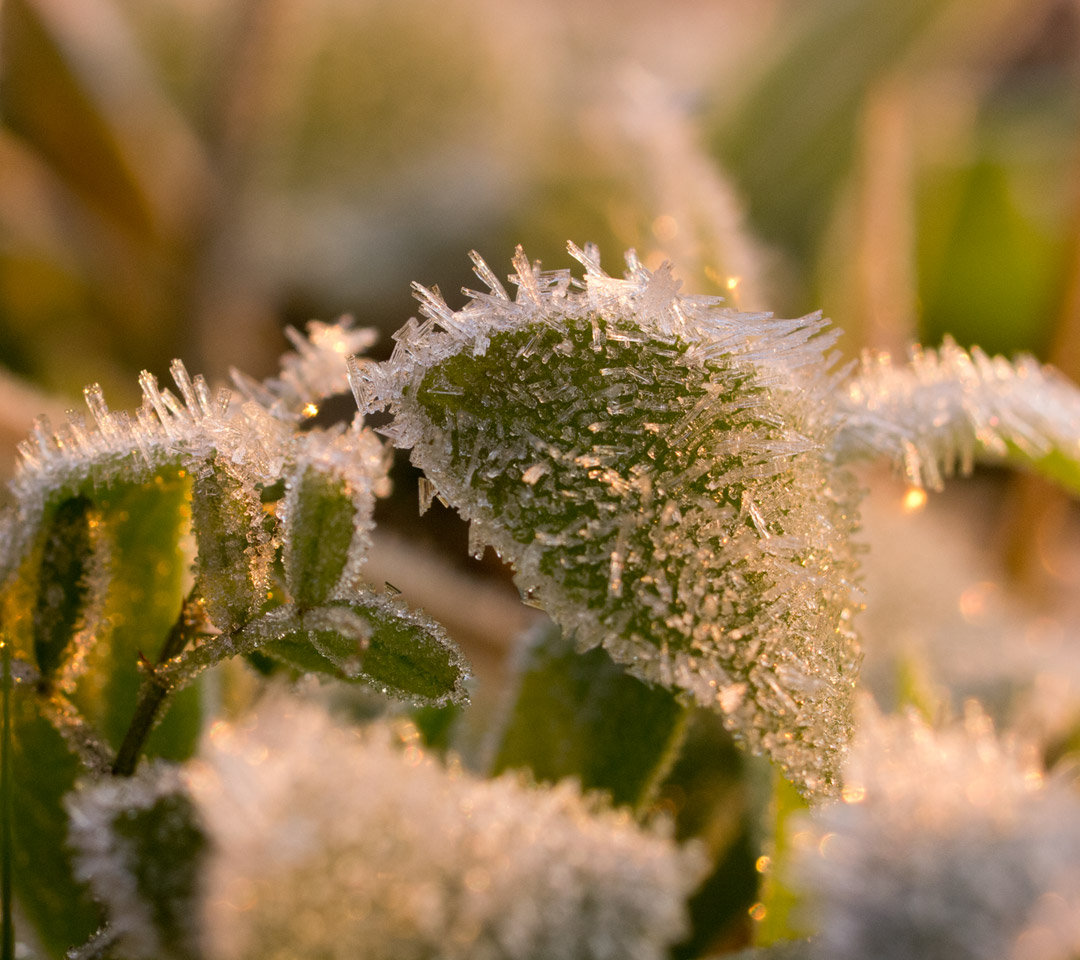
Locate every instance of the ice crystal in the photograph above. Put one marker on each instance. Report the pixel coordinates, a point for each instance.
(948, 406)
(655, 467)
(948, 844)
(137, 844)
(332, 843)
(315, 371)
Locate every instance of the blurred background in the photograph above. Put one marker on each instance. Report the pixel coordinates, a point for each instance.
(184, 177)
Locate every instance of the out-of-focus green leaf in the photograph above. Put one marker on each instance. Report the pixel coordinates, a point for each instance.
(778, 899)
(143, 525)
(62, 587)
(55, 904)
(708, 792)
(581, 715)
(436, 725)
(989, 270)
(377, 640)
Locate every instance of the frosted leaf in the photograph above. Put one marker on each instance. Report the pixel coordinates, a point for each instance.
(167, 435)
(947, 407)
(235, 550)
(375, 639)
(138, 844)
(948, 844)
(326, 516)
(336, 844)
(230, 450)
(656, 469)
(68, 588)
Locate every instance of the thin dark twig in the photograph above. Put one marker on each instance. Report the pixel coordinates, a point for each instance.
(154, 691)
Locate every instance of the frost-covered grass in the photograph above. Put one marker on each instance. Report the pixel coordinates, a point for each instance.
(671, 482)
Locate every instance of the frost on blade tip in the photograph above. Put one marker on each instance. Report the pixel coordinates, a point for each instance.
(352, 844)
(948, 845)
(948, 407)
(140, 846)
(655, 467)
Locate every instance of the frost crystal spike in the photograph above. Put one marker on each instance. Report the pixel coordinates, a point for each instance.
(656, 469)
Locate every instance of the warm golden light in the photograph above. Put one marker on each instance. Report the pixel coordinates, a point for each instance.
(914, 500)
(310, 410)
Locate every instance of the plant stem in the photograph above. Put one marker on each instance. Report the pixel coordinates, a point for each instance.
(7, 922)
(153, 692)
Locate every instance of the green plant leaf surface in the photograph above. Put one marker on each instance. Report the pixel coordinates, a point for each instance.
(226, 515)
(58, 907)
(63, 588)
(377, 640)
(143, 524)
(582, 715)
(653, 467)
(322, 526)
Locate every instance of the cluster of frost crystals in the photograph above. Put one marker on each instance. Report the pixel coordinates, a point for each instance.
(947, 845)
(337, 843)
(656, 468)
(109, 863)
(314, 371)
(948, 406)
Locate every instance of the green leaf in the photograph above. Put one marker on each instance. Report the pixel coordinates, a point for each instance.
(63, 582)
(791, 138)
(781, 902)
(582, 715)
(710, 792)
(55, 904)
(322, 523)
(143, 524)
(378, 640)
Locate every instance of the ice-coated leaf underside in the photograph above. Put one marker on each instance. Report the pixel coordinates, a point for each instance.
(378, 641)
(654, 500)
